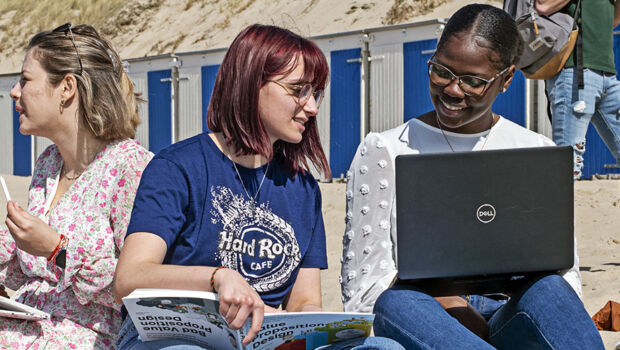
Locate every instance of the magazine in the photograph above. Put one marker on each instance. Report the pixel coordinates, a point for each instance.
(193, 315)
(13, 309)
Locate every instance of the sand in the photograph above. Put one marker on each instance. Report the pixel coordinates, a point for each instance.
(597, 225)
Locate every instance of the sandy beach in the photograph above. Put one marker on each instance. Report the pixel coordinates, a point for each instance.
(597, 225)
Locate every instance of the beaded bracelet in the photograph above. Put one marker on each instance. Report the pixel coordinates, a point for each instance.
(213, 278)
(62, 243)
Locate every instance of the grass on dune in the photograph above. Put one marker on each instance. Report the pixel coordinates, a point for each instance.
(23, 18)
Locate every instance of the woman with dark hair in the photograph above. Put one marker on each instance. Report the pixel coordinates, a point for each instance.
(203, 201)
(59, 255)
(473, 63)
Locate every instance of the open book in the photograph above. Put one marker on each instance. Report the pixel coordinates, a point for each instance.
(194, 315)
(13, 309)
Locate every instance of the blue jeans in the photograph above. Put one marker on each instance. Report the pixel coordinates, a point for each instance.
(128, 339)
(572, 111)
(546, 314)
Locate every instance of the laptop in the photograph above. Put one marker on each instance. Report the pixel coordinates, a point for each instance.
(483, 222)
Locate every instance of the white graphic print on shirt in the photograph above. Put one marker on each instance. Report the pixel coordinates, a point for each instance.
(260, 245)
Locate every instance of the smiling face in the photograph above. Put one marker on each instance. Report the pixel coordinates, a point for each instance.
(280, 112)
(456, 111)
(36, 101)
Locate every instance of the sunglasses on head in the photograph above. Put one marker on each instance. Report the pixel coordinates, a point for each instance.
(66, 28)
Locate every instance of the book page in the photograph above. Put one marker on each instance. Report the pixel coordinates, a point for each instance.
(13, 309)
(193, 316)
(310, 330)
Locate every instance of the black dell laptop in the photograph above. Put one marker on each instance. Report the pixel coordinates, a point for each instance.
(483, 222)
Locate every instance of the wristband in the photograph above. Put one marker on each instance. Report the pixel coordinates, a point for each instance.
(213, 277)
(61, 258)
(61, 244)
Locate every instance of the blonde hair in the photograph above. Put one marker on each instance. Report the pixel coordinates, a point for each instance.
(108, 105)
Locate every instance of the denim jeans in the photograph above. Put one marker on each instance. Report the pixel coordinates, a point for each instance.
(572, 111)
(128, 339)
(546, 314)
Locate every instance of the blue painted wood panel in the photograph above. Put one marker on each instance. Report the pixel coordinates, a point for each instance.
(208, 74)
(415, 89)
(597, 155)
(345, 109)
(22, 149)
(160, 110)
(511, 104)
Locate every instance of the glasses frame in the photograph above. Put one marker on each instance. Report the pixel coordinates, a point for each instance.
(290, 88)
(67, 28)
(487, 82)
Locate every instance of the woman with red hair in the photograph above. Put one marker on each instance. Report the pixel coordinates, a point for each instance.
(236, 211)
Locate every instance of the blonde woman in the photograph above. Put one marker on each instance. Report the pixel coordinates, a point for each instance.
(60, 254)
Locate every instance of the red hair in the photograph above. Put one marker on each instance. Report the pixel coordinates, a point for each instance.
(258, 53)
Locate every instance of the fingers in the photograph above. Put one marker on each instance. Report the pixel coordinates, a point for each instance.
(238, 301)
(257, 321)
(238, 311)
(17, 214)
(14, 229)
(231, 315)
(243, 311)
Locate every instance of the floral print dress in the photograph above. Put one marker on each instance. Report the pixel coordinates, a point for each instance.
(93, 214)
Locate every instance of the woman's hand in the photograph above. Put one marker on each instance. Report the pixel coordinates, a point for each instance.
(469, 317)
(238, 301)
(30, 233)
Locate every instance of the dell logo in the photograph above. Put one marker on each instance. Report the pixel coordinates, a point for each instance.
(485, 213)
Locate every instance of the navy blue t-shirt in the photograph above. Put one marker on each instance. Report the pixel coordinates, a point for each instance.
(191, 196)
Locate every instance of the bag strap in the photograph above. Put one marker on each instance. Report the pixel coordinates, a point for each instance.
(579, 47)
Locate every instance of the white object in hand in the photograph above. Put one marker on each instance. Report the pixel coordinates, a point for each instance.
(5, 189)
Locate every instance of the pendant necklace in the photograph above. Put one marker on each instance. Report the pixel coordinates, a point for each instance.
(450, 145)
(63, 173)
(252, 199)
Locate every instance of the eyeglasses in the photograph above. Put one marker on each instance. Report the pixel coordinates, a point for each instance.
(302, 92)
(67, 28)
(470, 84)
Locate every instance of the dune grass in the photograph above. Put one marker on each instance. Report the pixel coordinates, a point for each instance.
(47, 14)
(31, 16)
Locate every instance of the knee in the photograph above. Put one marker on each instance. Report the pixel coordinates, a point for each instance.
(398, 299)
(549, 290)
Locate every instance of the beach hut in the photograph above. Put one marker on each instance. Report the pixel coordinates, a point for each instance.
(378, 80)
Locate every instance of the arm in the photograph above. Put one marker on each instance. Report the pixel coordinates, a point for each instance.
(11, 258)
(469, 317)
(140, 266)
(30, 233)
(157, 220)
(547, 7)
(306, 292)
(368, 266)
